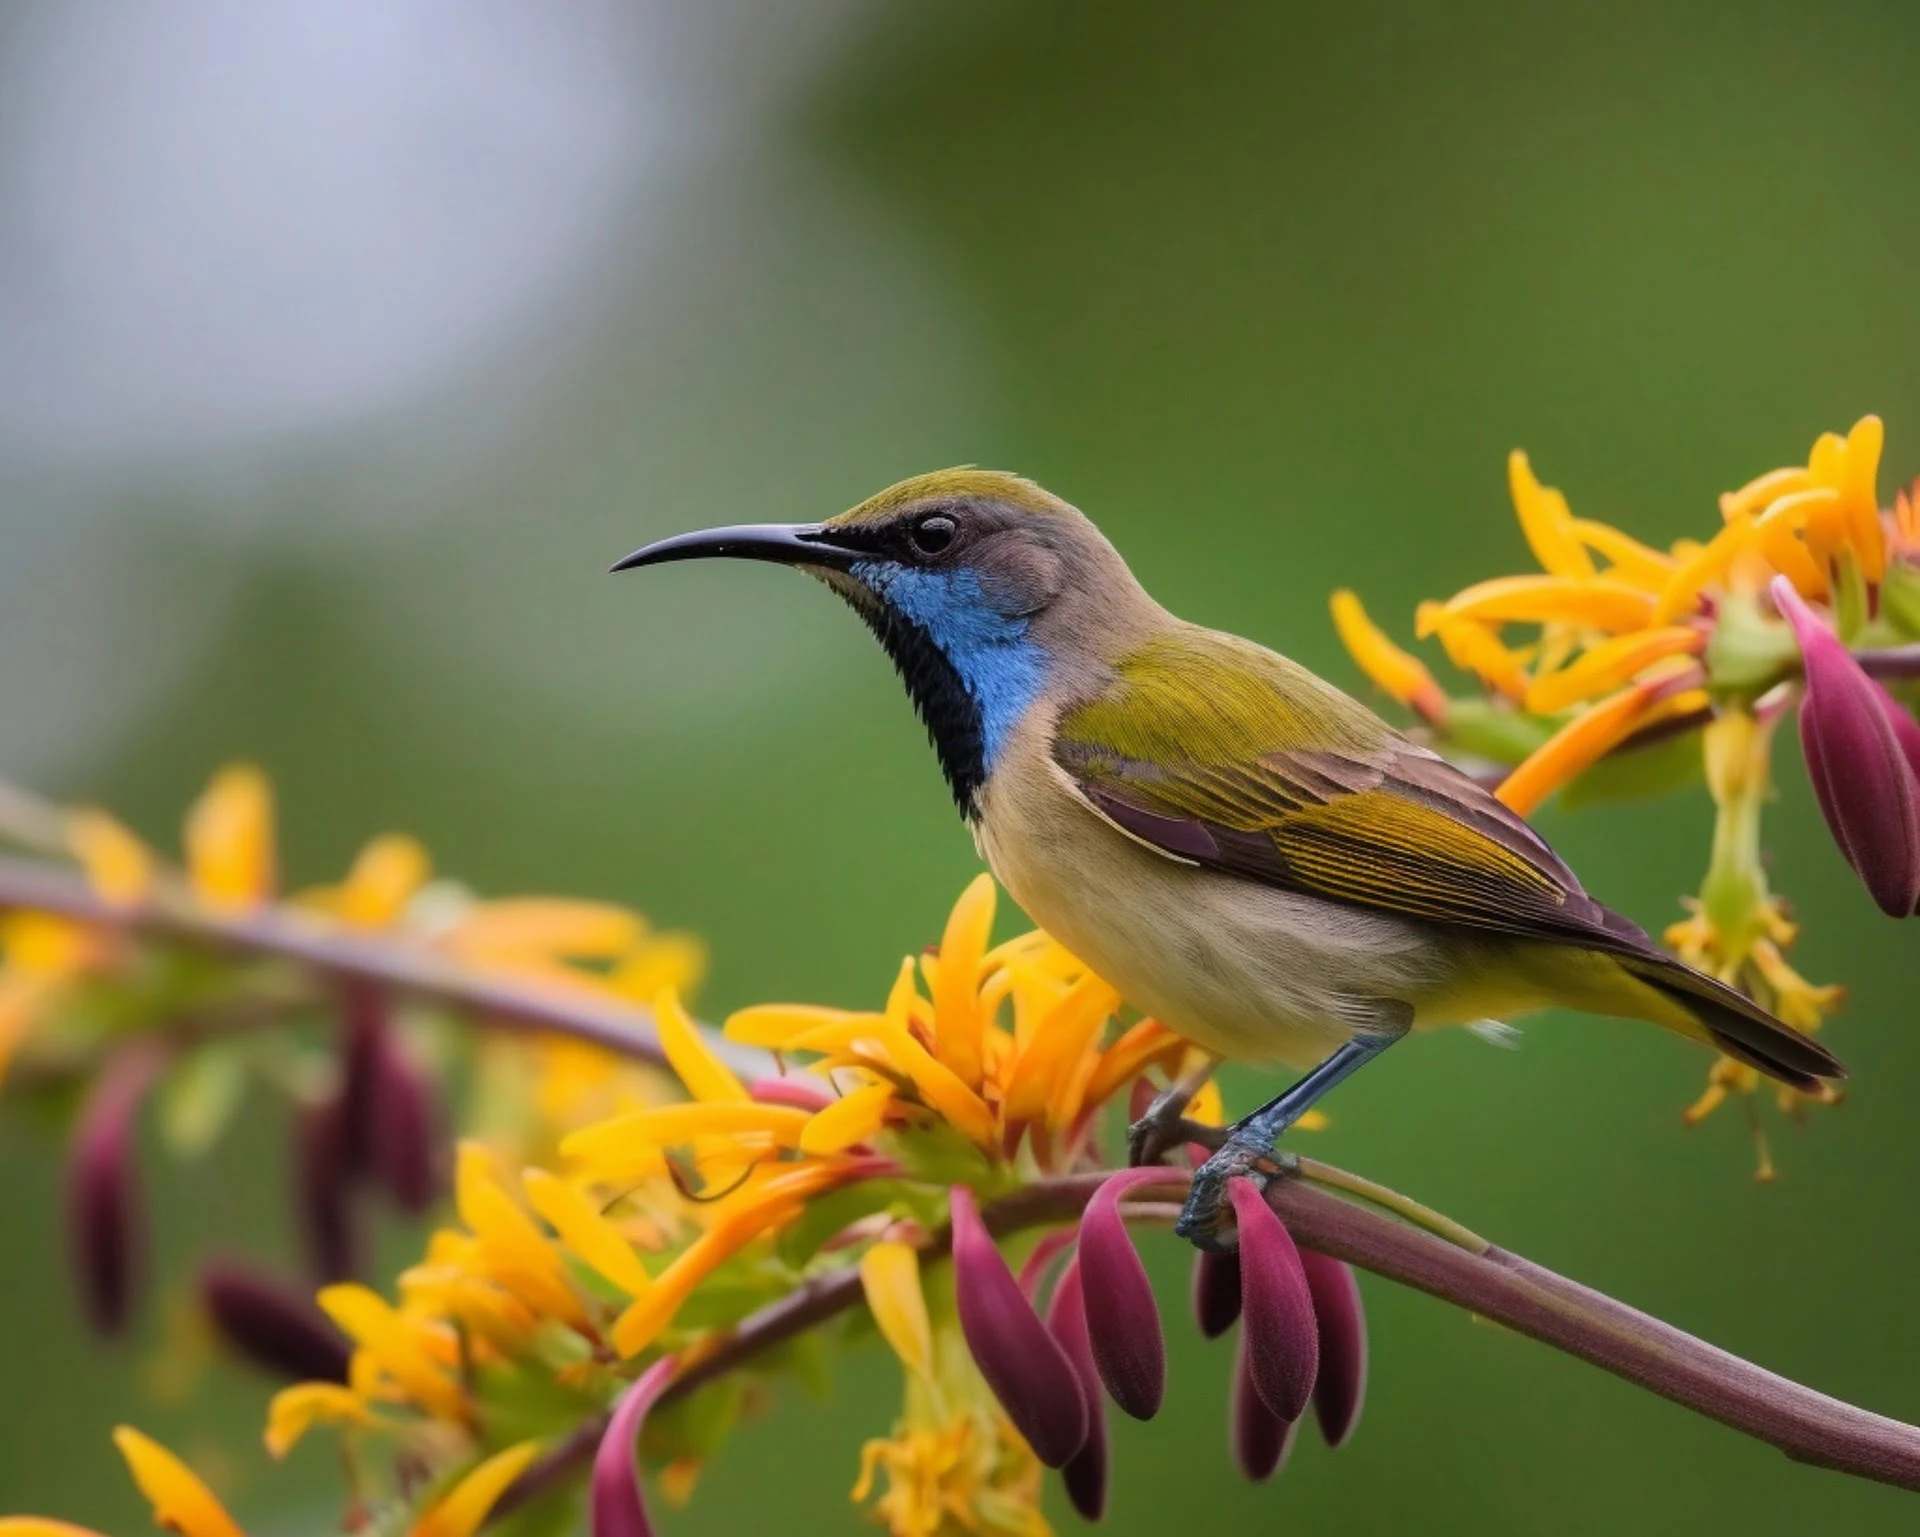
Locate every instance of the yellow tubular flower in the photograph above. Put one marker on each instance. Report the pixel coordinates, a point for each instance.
(391, 1343)
(1476, 648)
(1576, 747)
(848, 1121)
(181, 1503)
(384, 878)
(688, 1054)
(958, 1037)
(1608, 665)
(1632, 562)
(118, 866)
(1859, 498)
(1547, 522)
(1397, 674)
(460, 1512)
(520, 930)
(513, 1249)
(297, 1409)
(584, 1230)
(1602, 602)
(890, 1277)
(229, 840)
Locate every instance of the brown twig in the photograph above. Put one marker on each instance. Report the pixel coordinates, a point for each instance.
(327, 947)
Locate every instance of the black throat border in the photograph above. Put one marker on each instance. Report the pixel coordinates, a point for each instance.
(940, 697)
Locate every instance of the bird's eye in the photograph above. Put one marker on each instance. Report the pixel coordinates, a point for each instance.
(933, 534)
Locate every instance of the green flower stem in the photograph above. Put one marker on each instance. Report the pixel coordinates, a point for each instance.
(1404, 1207)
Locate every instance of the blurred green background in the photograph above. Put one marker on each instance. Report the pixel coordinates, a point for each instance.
(342, 347)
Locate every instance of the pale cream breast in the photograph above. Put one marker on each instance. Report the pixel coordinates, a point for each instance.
(1250, 972)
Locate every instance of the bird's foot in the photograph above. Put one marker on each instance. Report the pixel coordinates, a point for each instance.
(1243, 1154)
(1165, 1126)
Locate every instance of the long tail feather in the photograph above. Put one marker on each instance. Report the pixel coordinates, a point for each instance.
(1738, 1025)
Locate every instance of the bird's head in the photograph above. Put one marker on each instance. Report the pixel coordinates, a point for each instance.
(985, 590)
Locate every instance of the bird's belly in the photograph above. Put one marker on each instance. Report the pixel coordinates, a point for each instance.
(1244, 970)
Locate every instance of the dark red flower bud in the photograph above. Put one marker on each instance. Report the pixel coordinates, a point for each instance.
(367, 1028)
(1216, 1292)
(273, 1326)
(1341, 1387)
(1085, 1474)
(323, 1197)
(1261, 1439)
(1028, 1372)
(1123, 1320)
(1282, 1343)
(106, 1222)
(407, 1145)
(618, 1510)
(1868, 789)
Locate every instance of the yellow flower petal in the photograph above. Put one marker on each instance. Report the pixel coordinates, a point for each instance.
(1475, 647)
(671, 1125)
(229, 840)
(1778, 532)
(688, 1054)
(390, 1342)
(1400, 676)
(775, 1026)
(296, 1410)
(957, 1024)
(118, 866)
(181, 1503)
(1699, 571)
(1068, 1034)
(1859, 497)
(463, 1508)
(1546, 521)
(849, 1120)
(1142, 1046)
(532, 927)
(584, 1230)
(1608, 665)
(1600, 601)
(385, 876)
(890, 1276)
(515, 1251)
(674, 959)
(1576, 747)
(741, 1219)
(1632, 562)
(1760, 491)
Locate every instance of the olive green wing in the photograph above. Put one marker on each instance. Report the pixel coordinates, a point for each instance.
(1215, 751)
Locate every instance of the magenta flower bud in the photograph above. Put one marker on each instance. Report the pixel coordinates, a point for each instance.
(1341, 1387)
(407, 1144)
(1261, 1439)
(618, 1510)
(1085, 1474)
(271, 1325)
(791, 1092)
(1027, 1370)
(1867, 786)
(323, 1198)
(106, 1223)
(1216, 1291)
(1281, 1338)
(1123, 1321)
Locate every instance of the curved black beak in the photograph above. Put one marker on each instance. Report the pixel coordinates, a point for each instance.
(787, 544)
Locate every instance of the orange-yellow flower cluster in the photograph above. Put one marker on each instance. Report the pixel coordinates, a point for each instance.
(1625, 646)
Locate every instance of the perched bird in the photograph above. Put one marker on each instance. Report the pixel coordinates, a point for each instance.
(1245, 852)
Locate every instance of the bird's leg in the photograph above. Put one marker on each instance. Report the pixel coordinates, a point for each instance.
(1166, 1125)
(1249, 1152)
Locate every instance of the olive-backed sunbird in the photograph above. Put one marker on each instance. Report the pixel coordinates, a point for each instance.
(1243, 851)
